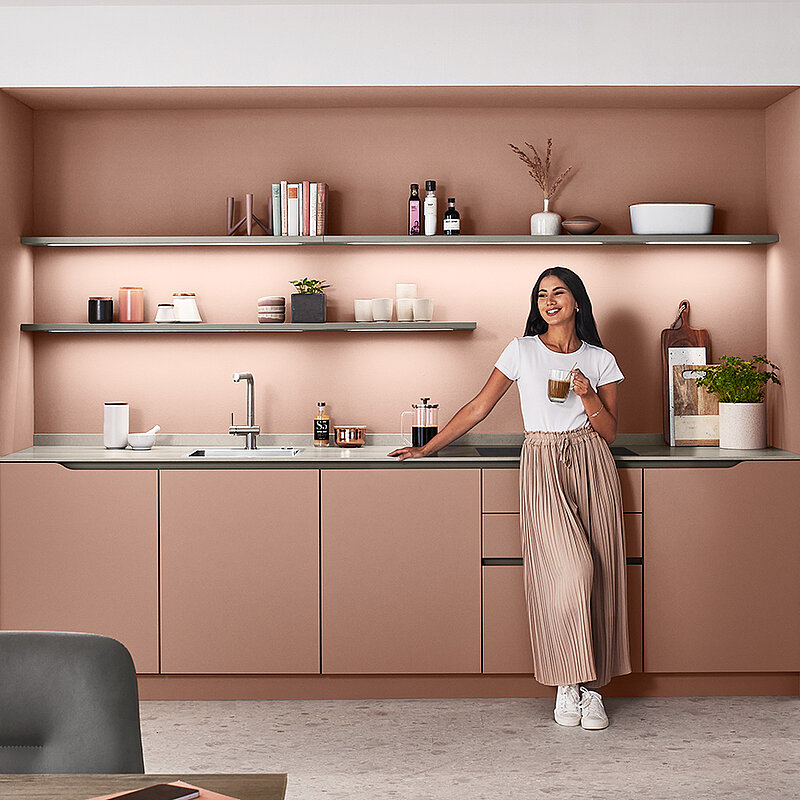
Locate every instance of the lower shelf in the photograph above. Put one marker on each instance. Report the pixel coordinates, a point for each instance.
(245, 327)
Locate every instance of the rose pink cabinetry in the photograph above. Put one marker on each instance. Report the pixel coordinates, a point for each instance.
(401, 575)
(79, 552)
(506, 637)
(240, 571)
(722, 569)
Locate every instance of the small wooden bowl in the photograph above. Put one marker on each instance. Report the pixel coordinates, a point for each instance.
(349, 435)
(580, 225)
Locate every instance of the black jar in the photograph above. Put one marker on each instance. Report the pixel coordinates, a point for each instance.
(101, 309)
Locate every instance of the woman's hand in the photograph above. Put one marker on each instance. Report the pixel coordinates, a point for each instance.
(407, 452)
(581, 385)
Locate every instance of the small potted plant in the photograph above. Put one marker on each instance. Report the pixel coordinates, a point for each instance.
(543, 222)
(740, 385)
(308, 304)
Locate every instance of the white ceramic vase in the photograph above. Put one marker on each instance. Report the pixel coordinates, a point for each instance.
(545, 223)
(742, 426)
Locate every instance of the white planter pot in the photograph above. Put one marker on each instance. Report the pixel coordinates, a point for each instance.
(742, 426)
(545, 223)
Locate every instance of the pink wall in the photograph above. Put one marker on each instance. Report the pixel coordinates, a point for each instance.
(168, 172)
(16, 264)
(783, 277)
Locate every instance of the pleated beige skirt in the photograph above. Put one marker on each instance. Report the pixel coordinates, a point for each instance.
(574, 554)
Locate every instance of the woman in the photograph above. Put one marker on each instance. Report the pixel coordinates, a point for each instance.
(571, 506)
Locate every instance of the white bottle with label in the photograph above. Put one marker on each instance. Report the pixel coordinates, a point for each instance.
(429, 208)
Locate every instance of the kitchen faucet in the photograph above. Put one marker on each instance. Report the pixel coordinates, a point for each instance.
(251, 430)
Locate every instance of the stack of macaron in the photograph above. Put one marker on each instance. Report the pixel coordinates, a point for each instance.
(272, 309)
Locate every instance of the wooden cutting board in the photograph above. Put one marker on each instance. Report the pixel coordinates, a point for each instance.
(696, 411)
(679, 335)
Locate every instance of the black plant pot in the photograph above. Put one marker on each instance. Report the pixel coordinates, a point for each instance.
(308, 307)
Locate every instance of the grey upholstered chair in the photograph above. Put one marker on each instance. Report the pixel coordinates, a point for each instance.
(68, 703)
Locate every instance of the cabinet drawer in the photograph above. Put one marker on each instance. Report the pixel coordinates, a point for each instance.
(501, 490)
(501, 537)
(506, 636)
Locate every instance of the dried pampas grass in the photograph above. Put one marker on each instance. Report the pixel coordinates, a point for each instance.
(540, 170)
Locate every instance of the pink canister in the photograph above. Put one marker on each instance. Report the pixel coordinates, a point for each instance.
(131, 304)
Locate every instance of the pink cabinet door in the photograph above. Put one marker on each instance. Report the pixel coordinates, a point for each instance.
(240, 571)
(506, 636)
(401, 571)
(722, 569)
(79, 552)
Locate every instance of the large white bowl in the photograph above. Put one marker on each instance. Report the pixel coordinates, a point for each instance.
(675, 218)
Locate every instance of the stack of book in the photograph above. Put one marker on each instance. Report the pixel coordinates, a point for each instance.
(299, 209)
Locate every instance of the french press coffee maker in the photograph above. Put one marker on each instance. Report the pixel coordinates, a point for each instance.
(424, 425)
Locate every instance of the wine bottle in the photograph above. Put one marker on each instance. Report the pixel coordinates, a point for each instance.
(429, 208)
(414, 211)
(451, 223)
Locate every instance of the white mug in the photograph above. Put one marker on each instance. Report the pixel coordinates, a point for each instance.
(405, 309)
(382, 309)
(423, 309)
(363, 310)
(115, 426)
(405, 290)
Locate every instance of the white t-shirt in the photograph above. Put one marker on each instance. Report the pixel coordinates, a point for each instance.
(528, 361)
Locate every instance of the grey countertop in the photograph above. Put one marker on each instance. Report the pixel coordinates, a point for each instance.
(86, 451)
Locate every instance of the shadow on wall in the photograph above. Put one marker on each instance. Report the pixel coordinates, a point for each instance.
(624, 334)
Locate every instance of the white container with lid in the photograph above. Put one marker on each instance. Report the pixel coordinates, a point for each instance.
(185, 305)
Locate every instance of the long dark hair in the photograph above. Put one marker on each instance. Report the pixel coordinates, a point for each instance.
(585, 326)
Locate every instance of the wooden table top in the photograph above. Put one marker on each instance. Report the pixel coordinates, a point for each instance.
(253, 786)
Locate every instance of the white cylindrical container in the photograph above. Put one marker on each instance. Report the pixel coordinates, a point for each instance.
(742, 426)
(115, 426)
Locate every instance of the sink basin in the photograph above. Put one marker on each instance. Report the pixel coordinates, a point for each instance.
(238, 452)
(514, 452)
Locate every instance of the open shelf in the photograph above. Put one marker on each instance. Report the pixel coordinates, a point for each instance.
(166, 328)
(441, 240)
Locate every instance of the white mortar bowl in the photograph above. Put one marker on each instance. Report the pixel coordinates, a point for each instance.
(141, 441)
(671, 218)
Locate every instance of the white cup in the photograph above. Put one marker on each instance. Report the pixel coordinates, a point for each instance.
(115, 426)
(405, 290)
(382, 309)
(423, 309)
(363, 310)
(405, 309)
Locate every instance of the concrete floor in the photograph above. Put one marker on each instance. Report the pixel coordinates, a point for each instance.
(654, 748)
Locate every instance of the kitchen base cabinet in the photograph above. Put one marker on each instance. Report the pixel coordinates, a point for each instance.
(401, 575)
(506, 635)
(722, 569)
(79, 552)
(240, 571)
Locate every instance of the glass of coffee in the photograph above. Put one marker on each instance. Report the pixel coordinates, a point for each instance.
(558, 385)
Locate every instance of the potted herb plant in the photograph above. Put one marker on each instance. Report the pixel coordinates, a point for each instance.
(308, 303)
(740, 385)
(543, 222)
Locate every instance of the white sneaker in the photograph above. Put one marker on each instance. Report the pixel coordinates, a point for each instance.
(593, 715)
(568, 708)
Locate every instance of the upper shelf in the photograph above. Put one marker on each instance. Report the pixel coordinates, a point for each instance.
(171, 328)
(256, 241)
